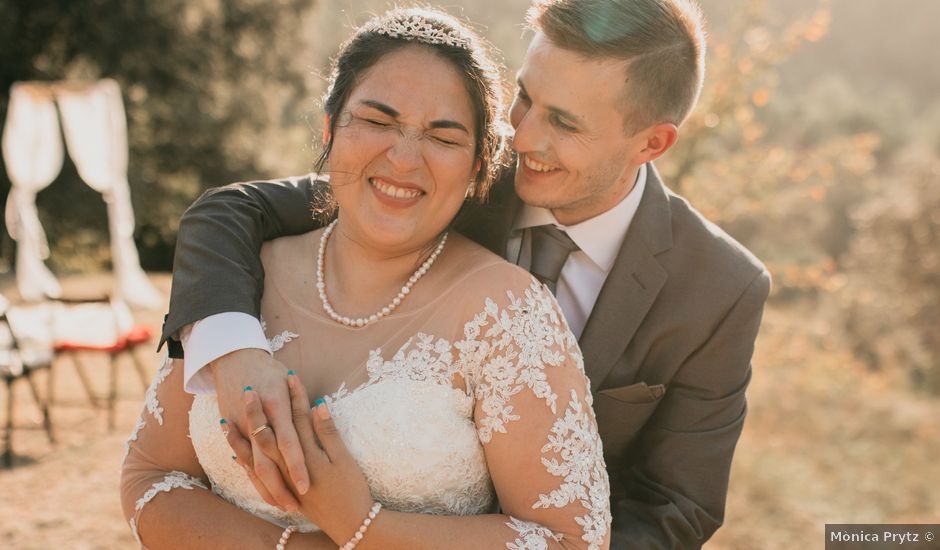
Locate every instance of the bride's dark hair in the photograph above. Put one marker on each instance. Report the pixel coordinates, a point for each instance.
(469, 54)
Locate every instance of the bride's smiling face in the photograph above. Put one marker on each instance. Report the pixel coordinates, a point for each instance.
(403, 151)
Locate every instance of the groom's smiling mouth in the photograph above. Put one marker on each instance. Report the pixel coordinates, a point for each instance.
(394, 189)
(539, 167)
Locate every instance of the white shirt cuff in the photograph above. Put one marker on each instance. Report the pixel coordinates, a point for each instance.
(217, 335)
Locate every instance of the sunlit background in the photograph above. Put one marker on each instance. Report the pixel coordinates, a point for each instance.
(816, 143)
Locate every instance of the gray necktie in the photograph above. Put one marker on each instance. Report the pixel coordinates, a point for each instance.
(550, 249)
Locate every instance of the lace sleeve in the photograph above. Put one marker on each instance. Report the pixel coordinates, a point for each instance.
(534, 417)
(165, 492)
(158, 456)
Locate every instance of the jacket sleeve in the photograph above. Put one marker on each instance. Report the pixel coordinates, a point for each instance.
(675, 488)
(216, 267)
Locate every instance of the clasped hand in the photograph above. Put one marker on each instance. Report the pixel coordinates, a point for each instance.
(336, 498)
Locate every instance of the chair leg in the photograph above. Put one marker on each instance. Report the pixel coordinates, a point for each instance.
(42, 404)
(8, 432)
(112, 392)
(50, 384)
(141, 369)
(86, 382)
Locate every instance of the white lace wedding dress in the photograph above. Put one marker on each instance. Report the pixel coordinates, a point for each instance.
(464, 393)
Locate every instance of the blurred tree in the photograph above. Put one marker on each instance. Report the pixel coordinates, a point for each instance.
(784, 197)
(834, 189)
(892, 296)
(215, 91)
(838, 194)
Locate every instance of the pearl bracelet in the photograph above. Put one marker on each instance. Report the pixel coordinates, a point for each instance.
(282, 542)
(362, 528)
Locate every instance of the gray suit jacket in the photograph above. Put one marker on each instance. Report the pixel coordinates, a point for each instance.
(667, 347)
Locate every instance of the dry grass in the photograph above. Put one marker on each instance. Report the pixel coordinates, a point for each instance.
(825, 441)
(66, 495)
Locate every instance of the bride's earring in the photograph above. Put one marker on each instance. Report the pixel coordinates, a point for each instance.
(469, 192)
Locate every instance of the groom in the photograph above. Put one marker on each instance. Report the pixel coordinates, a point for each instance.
(665, 304)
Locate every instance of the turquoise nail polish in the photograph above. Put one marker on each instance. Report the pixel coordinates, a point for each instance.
(319, 402)
(290, 373)
(222, 421)
(247, 388)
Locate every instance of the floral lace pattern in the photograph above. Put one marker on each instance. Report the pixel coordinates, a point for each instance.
(582, 467)
(532, 536)
(277, 342)
(133, 437)
(525, 339)
(510, 347)
(427, 360)
(521, 341)
(401, 455)
(151, 405)
(173, 480)
(150, 398)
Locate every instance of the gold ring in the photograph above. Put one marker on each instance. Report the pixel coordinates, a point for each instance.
(259, 429)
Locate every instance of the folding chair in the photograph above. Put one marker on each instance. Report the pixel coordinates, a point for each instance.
(73, 328)
(100, 326)
(19, 359)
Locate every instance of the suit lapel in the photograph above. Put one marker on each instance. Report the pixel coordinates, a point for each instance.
(632, 285)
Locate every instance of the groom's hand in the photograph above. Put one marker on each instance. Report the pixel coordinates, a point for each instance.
(268, 378)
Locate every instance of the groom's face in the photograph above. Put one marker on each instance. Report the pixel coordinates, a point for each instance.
(574, 152)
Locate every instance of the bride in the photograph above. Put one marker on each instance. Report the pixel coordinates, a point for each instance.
(455, 412)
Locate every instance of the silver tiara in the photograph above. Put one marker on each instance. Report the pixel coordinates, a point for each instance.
(416, 27)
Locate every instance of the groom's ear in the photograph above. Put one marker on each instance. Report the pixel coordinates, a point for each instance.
(326, 129)
(655, 141)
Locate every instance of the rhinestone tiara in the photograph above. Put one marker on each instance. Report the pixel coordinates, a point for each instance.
(419, 28)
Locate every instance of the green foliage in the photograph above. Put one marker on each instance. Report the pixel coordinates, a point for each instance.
(215, 91)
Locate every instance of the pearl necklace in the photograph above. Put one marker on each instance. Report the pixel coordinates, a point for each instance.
(385, 311)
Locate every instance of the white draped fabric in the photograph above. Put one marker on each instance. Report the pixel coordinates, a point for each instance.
(32, 152)
(95, 130)
(96, 135)
(44, 325)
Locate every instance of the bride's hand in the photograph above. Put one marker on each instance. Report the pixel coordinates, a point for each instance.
(339, 498)
(234, 371)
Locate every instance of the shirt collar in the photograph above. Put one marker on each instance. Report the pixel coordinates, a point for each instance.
(599, 237)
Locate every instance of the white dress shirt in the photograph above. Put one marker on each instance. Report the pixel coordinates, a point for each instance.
(580, 282)
(585, 270)
(217, 335)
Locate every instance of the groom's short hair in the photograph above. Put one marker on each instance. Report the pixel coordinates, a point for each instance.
(662, 41)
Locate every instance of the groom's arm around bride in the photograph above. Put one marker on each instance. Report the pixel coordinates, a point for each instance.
(668, 334)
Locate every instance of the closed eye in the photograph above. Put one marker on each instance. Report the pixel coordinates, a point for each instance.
(444, 141)
(376, 122)
(557, 122)
(449, 138)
